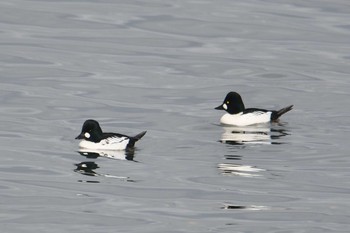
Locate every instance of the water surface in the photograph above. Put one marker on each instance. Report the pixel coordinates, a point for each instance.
(162, 66)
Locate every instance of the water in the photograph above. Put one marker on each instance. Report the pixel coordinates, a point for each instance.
(163, 66)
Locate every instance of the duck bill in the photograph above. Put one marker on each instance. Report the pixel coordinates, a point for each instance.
(80, 136)
(220, 107)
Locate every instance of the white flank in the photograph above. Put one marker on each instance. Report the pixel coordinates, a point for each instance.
(241, 119)
(112, 143)
(112, 154)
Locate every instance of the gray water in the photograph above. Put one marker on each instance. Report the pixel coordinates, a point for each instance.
(162, 66)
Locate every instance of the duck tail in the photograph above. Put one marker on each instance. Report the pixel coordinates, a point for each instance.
(139, 136)
(277, 114)
(134, 139)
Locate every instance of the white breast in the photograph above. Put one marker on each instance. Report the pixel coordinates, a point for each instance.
(241, 119)
(112, 143)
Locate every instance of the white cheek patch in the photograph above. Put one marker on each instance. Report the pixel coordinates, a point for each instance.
(224, 106)
(87, 135)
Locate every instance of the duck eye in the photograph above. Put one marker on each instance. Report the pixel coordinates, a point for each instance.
(228, 102)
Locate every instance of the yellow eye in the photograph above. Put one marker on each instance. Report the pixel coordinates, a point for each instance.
(228, 102)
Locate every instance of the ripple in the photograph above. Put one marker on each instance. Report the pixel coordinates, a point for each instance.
(21, 111)
(17, 60)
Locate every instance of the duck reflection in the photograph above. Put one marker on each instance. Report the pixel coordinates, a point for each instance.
(88, 169)
(239, 170)
(240, 207)
(111, 154)
(254, 134)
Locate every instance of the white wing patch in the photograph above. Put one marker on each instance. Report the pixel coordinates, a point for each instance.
(114, 140)
(256, 113)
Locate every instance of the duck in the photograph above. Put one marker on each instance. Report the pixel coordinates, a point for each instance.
(93, 138)
(237, 115)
